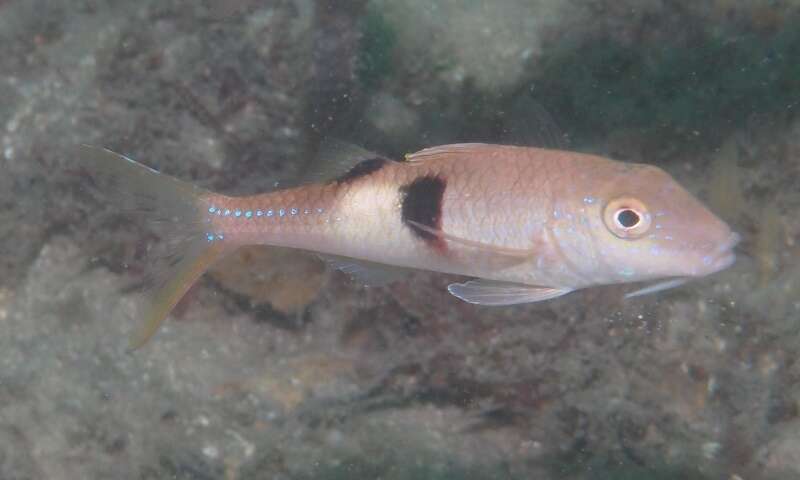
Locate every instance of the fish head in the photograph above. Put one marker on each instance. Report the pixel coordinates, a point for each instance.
(647, 226)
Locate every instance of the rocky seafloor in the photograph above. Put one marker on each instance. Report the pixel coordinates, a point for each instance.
(274, 367)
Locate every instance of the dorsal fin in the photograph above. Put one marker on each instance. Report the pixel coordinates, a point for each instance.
(452, 149)
(527, 122)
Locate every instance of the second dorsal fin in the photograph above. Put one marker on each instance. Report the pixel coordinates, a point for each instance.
(335, 158)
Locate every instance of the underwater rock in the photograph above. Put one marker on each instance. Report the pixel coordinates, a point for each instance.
(287, 280)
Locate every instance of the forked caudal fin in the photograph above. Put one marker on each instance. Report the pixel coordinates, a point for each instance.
(176, 207)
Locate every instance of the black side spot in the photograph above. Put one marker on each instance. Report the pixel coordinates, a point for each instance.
(422, 204)
(362, 169)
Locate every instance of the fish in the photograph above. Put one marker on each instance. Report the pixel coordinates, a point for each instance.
(525, 224)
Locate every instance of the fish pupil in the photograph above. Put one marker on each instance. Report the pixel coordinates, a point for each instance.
(628, 218)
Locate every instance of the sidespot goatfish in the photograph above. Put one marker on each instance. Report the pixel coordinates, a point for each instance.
(527, 224)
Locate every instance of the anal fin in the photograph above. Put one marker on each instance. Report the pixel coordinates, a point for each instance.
(369, 273)
(491, 292)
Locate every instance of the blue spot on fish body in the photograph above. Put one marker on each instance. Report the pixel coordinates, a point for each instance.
(259, 213)
(227, 212)
(294, 211)
(270, 212)
(248, 214)
(238, 213)
(212, 210)
(282, 212)
(220, 236)
(588, 200)
(626, 272)
(210, 237)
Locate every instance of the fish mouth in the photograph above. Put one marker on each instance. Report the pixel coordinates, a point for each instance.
(724, 256)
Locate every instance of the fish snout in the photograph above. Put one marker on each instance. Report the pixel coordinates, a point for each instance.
(723, 255)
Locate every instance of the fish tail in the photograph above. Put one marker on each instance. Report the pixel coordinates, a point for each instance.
(179, 211)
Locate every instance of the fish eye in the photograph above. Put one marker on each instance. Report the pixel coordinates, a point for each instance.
(627, 217)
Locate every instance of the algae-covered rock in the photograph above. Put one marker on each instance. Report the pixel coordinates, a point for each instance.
(287, 280)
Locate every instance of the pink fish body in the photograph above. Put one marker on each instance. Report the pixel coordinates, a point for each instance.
(527, 224)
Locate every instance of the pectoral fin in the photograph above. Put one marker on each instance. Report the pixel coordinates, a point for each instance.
(486, 255)
(490, 292)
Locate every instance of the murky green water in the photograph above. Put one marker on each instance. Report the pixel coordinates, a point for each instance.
(274, 367)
